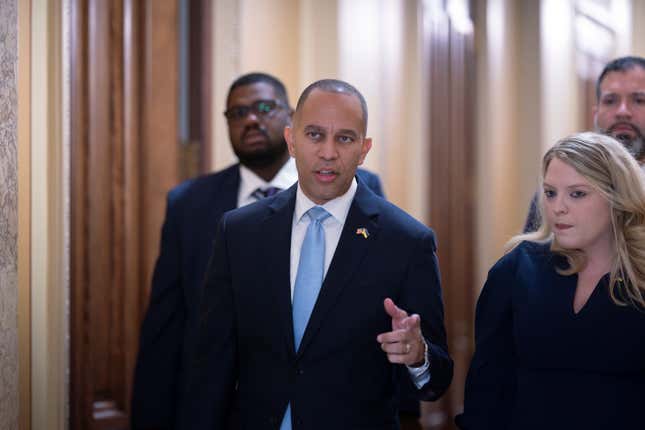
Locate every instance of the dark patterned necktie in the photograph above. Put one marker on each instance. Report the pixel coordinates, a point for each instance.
(262, 193)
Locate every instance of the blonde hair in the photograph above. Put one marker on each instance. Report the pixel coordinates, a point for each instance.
(616, 175)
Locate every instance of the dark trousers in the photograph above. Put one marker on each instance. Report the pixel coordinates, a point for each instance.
(409, 421)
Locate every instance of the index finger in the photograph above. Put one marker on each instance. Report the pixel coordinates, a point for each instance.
(393, 310)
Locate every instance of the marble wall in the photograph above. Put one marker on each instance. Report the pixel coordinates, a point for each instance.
(8, 216)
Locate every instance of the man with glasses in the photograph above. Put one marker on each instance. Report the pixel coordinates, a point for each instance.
(257, 111)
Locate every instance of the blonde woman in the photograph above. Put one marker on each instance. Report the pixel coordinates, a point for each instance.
(560, 323)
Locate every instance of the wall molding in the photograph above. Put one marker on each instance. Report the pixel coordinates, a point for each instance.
(49, 213)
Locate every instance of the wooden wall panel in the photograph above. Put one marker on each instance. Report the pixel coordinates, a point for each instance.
(159, 155)
(451, 77)
(134, 298)
(79, 383)
(206, 70)
(100, 232)
(462, 220)
(124, 160)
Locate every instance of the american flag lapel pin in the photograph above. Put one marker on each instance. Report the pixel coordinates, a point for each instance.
(363, 232)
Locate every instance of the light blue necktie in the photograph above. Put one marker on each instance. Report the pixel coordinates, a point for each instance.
(309, 278)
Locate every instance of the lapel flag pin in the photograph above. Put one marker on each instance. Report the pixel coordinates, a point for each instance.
(363, 231)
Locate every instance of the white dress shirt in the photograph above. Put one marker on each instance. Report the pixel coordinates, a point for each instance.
(333, 227)
(249, 181)
(338, 208)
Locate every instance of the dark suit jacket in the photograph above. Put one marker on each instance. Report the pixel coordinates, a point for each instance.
(193, 211)
(533, 221)
(339, 378)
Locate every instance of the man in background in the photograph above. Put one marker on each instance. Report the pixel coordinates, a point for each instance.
(257, 111)
(619, 112)
(620, 107)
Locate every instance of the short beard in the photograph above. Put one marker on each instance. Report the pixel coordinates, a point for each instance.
(271, 155)
(635, 146)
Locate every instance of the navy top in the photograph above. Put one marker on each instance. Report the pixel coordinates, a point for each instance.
(539, 365)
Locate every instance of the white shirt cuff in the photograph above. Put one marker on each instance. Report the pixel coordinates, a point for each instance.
(421, 375)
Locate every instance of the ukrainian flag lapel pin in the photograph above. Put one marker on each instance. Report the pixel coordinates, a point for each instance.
(363, 232)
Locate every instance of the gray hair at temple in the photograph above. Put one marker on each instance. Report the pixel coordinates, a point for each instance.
(335, 86)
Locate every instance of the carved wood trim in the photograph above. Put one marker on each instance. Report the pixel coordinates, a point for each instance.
(124, 160)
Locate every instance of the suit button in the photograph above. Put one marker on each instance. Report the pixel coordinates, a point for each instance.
(300, 372)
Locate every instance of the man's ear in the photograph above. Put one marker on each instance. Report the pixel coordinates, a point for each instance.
(367, 145)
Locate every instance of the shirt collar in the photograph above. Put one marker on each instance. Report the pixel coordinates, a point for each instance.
(338, 207)
(249, 181)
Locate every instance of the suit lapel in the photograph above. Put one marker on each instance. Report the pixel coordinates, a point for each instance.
(224, 196)
(277, 254)
(349, 253)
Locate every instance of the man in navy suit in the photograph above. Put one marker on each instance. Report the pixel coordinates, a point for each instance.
(257, 112)
(316, 297)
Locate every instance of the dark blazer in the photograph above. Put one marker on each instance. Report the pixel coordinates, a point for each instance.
(533, 221)
(193, 211)
(538, 365)
(339, 378)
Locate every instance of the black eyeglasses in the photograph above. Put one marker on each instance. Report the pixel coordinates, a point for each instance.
(259, 108)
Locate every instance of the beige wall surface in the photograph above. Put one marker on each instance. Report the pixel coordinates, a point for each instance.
(8, 217)
(384, 59)
(500, 110)
(638, 29)
(251, 36)
(301, 41)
